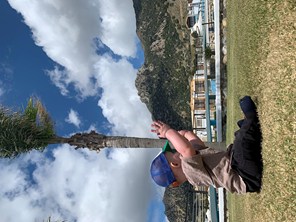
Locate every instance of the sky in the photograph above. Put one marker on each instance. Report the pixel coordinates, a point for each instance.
(80, 58)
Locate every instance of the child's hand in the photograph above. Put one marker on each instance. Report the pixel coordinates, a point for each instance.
(160, 128)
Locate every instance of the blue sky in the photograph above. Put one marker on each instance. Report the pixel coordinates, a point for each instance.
(80, 58)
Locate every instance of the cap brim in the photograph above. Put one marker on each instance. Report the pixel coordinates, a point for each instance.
(166, 147)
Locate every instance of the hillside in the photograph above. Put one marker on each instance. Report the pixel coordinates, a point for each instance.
(163, 80)
(178, 203)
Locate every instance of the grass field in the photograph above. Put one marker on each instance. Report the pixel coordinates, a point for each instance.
(261, 39)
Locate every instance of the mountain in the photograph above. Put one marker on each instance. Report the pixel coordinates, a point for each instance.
(178, 203)
(163, 81)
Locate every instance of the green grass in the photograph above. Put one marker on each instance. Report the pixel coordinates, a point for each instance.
(262, 63)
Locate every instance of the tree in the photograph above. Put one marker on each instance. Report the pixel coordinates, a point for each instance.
(21, 132)
(194, 35)
(209, 52)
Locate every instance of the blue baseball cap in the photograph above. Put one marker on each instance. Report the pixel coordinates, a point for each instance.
(160, 169)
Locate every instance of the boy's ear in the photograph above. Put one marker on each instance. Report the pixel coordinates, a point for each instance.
(175, 184)
(174, 164)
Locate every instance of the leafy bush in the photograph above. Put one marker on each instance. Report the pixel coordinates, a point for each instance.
(208, 52)
(194, 35)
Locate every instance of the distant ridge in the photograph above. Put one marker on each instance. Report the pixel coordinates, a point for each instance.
(163, 80)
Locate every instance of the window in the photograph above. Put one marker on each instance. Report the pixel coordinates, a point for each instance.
(200, 86)
(199, 104)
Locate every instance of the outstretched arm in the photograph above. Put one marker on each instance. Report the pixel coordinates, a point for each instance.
(181, 144)
(195, 141)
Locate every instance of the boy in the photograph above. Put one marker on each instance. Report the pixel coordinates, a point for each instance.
(239, 169)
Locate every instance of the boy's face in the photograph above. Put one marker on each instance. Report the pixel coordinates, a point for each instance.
(173, 157)
(175, 164)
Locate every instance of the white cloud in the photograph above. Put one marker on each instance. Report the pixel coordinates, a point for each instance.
(73, 118)
(80, 185)
(118, 16)
(6, 70)
(1, 91)
(60, 79)
(66, 31)
(6, 73)
(120, 102)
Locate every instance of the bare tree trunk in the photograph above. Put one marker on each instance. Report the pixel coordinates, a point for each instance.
(96, 141)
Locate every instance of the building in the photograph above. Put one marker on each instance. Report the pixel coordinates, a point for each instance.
(194, 18)
(203, 84)
(202, 92)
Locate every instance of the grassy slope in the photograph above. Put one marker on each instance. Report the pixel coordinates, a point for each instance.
(261, 63)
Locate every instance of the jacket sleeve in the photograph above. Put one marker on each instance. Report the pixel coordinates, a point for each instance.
(195, 171)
